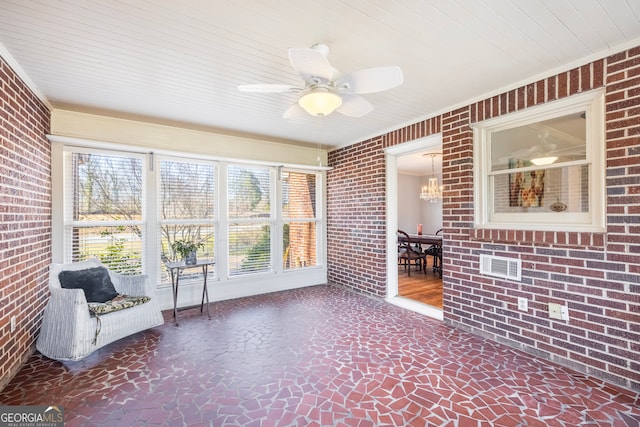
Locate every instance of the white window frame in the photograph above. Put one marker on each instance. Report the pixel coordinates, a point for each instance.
(222, 287)
(318, 220)
(592, 103)
(213, 222)
(272, 220)
(69, 223)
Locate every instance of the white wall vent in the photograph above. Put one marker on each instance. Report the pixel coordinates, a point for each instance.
(509, 268)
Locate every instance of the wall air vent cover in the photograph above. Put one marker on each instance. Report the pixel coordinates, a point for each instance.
(508, 268)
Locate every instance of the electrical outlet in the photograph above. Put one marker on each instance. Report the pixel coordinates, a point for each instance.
(564, 312)
(555, 311)
(523, 304)
(13, 323)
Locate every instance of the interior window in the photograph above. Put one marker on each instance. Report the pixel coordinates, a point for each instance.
(542, 169)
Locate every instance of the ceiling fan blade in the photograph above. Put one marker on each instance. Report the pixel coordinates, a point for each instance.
(354, 106)
(309, 63)
(370, 80)
(268, 88)
(295, 112)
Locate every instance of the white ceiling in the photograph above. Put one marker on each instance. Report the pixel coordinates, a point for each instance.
(181, 61)
(421, 164)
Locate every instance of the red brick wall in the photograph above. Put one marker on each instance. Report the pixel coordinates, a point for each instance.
(356, 217)
(596, 274)
(25, 218)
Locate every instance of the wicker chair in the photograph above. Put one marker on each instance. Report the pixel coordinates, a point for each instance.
(70, 332)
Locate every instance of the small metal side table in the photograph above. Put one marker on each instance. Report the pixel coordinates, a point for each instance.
(175, 268)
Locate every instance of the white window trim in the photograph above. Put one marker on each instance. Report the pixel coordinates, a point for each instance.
(157, 223)
(318, 220)
(272, 220)
(594, 221)
(67, 216)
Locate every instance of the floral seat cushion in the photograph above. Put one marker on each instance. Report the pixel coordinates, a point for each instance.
(116, 304)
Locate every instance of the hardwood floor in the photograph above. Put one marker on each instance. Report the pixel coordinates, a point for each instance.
(424, 288)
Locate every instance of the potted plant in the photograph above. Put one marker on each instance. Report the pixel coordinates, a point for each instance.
(187, 249)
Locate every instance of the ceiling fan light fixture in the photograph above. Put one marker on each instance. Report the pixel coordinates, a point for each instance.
(541, 161)
(324, 90)
(320, 102)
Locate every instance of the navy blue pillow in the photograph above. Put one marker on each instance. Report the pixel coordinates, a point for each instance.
(95, 282)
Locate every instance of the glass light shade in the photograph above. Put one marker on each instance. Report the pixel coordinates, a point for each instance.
(320, 102)
(540, 161)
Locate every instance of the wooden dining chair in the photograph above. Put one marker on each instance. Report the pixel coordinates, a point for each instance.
(407, 255)
(435, 251)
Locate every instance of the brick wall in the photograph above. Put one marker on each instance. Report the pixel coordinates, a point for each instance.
(356, 218)
(25, 219)
(596, 274)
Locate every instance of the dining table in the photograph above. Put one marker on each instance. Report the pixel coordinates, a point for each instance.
(427, 239)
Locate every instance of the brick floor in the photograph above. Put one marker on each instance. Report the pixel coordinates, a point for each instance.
(319, 356)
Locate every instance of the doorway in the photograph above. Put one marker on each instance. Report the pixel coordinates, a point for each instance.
(431, 143)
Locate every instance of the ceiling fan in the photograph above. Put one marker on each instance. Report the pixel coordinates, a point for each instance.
(324, 90)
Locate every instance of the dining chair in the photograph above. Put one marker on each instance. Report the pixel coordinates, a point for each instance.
(408, 255)
(435, 251)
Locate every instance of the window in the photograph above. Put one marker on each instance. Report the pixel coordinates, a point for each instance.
(542, 168)
(250, 219)
(104, 215)
(300, 217)
(127, 208)
(187, 209)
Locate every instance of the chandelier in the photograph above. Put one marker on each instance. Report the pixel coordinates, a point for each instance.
(431, 192)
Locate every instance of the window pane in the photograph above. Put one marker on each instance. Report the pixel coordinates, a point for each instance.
(563, 189)
(298, 195)
(105, 192)
(299, 240)
(199, 233)
(561, 139)
(249, 248)
(187, 190)
(187, 212)
(248, 192)
(202, 233)
(106, 187)
(119, 247)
